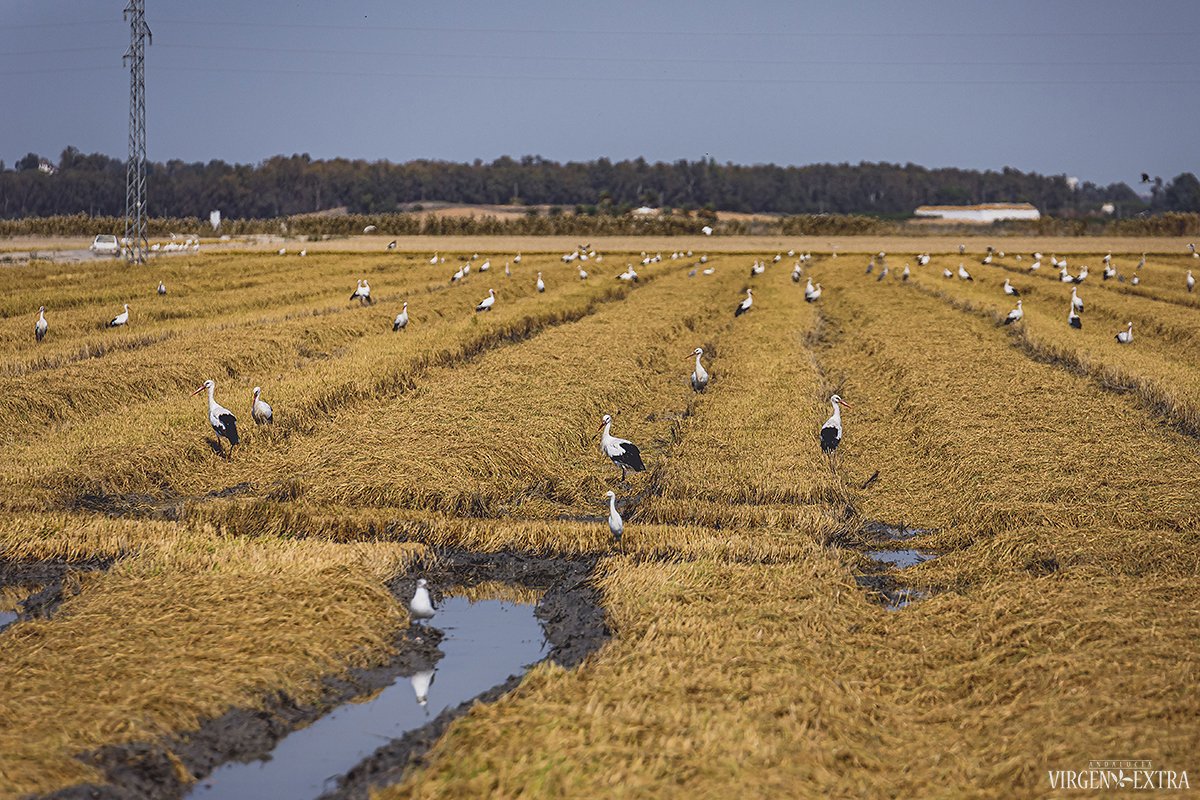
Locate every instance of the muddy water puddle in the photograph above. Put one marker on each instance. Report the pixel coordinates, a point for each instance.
(12, 601)
(485, 643)
(899, 558)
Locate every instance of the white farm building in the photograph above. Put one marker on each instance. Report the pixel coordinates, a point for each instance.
(983, 214)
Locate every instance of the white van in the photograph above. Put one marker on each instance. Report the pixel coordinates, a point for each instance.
(105, 244)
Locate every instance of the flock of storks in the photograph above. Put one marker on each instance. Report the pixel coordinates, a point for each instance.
(621, 452)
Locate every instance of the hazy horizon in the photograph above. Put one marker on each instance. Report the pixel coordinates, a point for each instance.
(1102, 90)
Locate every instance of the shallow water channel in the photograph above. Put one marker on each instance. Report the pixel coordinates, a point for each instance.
(486, 642)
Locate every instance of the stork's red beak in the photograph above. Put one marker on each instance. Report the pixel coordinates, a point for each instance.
(198, 391)
(843, 405)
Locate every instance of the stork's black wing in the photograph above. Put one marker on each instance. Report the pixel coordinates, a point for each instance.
(228, 428)
(830, 438)
(630, 457)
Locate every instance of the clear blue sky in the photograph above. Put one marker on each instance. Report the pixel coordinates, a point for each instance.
(1101, 89)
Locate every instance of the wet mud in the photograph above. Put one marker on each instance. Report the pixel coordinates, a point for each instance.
(571, 618)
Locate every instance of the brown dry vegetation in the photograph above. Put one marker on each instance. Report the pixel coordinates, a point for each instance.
(1055, 474)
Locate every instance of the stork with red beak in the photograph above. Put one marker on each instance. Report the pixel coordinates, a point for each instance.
(831, 431)
(223, 422)
(622, 452)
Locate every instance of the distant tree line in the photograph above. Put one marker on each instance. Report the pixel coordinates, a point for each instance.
(282, 186)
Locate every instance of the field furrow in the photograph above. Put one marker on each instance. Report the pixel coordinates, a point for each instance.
(133, 449)
(969, 434)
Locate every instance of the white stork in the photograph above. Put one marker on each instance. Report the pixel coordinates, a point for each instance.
(700, 374)
(1065, 276)
(1076, 303)
(420, 608)
(517, 258)
(1016, 315)
(1011, 290)
(457, 276)
(870, 266)
(922, 259)
(41, 326)
(485, 266)
(487, 302)
(630, 275)
(831, 431)
(796, 273)
(1136, 280)
(162, 288)
(401, 321)
(1125, 336)
(883, 274)
(1073, 319)
(260, 410)
(120, 319)
(363, 293)
(507, 271)
(434, 259)
(962, 273)
(1109, 271)
(758, 269)
(1191, 282)
(946, 273)
(1035, 266)
(778, 257)
(744, 306)
(1083, 273)
(223, 422)
(616, 525)
(904, 275)
(541, 284)
(814, 295)
(708, 270)
(622, 452)
(392, 245)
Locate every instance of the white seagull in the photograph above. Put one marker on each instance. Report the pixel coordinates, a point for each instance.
(1126, 336)
(699, 375)
(487, 302)
(421, 606)
(401, 321)
(223, 422)
(41, 326)
(260, 410)
(622, 452)
(744, 306)
(120, 319)
(616, 525)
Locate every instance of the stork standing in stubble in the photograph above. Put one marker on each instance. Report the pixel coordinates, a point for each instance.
(260, 410)
(699, 374)
(744, 306)
(831, 431)
(401, 321)
(41, 326)
(616, 525)
(223, 422)
(622, 452)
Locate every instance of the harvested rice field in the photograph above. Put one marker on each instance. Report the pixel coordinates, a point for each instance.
(991, 580)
